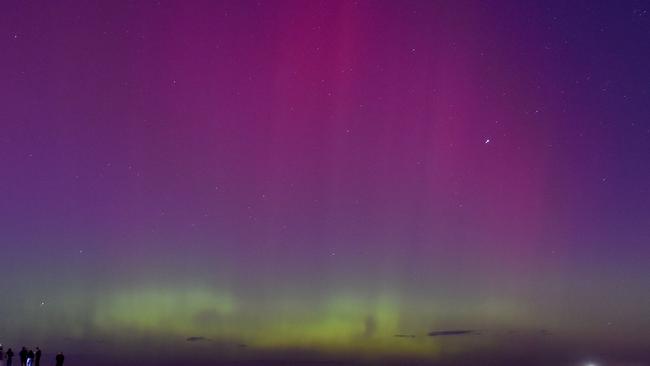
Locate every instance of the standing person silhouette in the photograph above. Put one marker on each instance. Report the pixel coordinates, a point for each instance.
(37, 357)
(59, 359)
(10, 356)
(30, 358)
(23, 356)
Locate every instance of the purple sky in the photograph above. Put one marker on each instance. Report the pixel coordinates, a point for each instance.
(323, 175)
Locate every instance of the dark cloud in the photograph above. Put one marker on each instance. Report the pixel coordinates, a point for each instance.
(197, 339)
(455, 332)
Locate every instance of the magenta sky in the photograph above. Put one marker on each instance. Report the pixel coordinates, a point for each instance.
(323, 175)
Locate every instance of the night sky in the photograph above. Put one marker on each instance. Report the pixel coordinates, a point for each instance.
(326, 180)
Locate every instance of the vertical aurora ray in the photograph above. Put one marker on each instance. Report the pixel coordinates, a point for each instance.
(325, 180)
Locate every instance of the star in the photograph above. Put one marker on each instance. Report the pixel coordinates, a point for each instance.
(487, 141)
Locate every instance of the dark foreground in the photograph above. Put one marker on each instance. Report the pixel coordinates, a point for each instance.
(530, 360)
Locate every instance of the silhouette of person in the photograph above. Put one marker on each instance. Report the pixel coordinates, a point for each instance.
(23, 356)
(10, 355)
(2, 355)
(30, 358)
(37, 357)
(59, 359)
